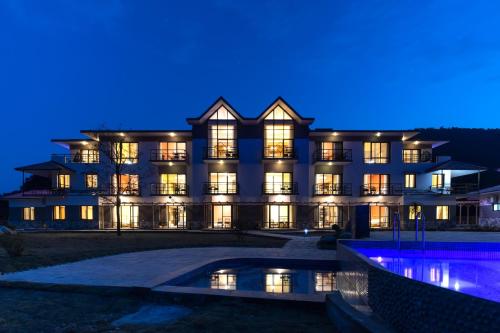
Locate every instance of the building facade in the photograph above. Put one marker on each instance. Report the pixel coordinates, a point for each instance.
(229, 171)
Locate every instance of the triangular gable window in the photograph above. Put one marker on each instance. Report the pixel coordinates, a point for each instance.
(278, 114)
(222, 114)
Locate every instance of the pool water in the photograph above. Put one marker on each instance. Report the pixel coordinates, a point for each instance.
(275, 278)
(476, 274)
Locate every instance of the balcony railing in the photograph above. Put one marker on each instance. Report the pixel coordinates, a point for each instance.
(377, 160)
(281, 223)
(422, 157)
(169, 189)
(89, 157)
(45, 192)
(333, 189)
(272, 152)
(218, 153)
(455, 189)
(381, 189)
(221, 188)
(333, 155)
(168, 155)
(130, 189)
(280, 188)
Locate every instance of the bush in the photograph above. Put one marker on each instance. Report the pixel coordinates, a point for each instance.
(327, 242)
(12, 244)
(345, 235)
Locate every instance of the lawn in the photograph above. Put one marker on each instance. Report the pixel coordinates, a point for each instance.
(43, 311)
(43, 249)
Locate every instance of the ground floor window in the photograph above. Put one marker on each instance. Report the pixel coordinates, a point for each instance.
(442, 213)
(29, 213)
(222, 216)
(129, 216)
(496, 207)
(173, 217)
(279, 283)
(279, 216)
(329, 216)
(413, 211)
(87, 212)
(379, 217)
(59, 213)
(324, 281)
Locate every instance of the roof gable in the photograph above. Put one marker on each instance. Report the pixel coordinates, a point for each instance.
(220, 108)
(283, 110)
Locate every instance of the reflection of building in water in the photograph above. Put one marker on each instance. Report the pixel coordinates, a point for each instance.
(408, 272)
(435, 274)
(223, 280)
(280, 283)
(325, 281)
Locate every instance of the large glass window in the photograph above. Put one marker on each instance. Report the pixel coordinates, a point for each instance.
(87, 212)
(328, 184)
(86, 156)
(222, 216)
(279, 216)
(222, 183)
(129, 216)
(91, 180)
(413, 211)
(438, 180)
(328, 216)
(278, 183)
(376, 152)
(278, 141)
(171, 151)
(279, 283)
(223, 280)
(29, 213)
(331, 151)
(325, 281)
(63, 181)
(59, 212)
(173, 184)
(496, 207)
(442, 213)
(126, 152)
(222, 135)
(411, 155)
(379, 217)
(410, 180)
(222, 114)
(172, 217)
(129, 184)
(376, 184)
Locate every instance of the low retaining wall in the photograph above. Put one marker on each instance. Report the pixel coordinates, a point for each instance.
(410, 305)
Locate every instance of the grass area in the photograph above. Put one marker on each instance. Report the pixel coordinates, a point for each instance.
(43, 249)
(43, 311)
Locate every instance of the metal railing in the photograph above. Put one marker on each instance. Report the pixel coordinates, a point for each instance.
(226, 153)
(333, 155)
(45, 192)
(454, 189)
(271, 152)
(280, 188)
(377, 160)
(283, 223)
(129, 189)
(332, 189)
(221, 188)
(88, 157)
(169, 189)
(168, 155)
(422, 157)
(381, 189)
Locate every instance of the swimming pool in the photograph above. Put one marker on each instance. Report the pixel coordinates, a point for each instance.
(472, 270)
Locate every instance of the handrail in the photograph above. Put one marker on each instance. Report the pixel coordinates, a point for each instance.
(226, 153)
(168, 155)
(221, 188)
(279, 188)
(333, 189)
(333, 155)
(381, 189)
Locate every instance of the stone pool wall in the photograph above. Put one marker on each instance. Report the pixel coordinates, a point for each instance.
(410, 305)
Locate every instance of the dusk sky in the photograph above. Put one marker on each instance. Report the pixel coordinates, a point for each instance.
(71, 65)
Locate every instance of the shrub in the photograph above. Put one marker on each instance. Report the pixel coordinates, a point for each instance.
(12, 244)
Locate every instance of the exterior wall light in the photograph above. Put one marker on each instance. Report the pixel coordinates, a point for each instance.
(171, 134)
(378, 134)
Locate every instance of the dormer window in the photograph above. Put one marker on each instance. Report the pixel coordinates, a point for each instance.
(222, 135)
(278, 135)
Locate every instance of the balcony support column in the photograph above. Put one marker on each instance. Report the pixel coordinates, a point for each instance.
(459, 213)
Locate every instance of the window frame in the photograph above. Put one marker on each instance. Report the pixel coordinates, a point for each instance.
(84, 212)
(29, 213)
(59, 213)
(128, 158)
(94, 183)
(447, 210)
(411, 158)
(63, 181)
(372, 159)
(412, 178)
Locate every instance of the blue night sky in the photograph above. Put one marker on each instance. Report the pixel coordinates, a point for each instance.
(68, 65)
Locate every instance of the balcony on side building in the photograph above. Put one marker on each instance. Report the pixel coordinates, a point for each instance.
(288, 188)
(337, 156)
(216, 188)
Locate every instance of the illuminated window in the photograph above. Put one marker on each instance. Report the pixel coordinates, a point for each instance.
(222, 216)
(328, 184)
(29, 213)
(413, 210)
(279, 216)
(59, 212)
(278, 114)
(87, 213)
(328, 216)
(379, 217)
(125, 152)
(331, 151)
(86, 156)
(129, 216)
(411, 155)
(222, 183)
(442, 213)
(376, 152)
(171, 151)
(438, 180)
(410, 180)
(63, 181)
(91, 181)
(376, 184)
(224, 281)
(324, 281)
(129, 184)
(496, 207)
(173, 183)
(222, 114)
(279, 283)
(278, 135)
(172, 217)
(278, 183)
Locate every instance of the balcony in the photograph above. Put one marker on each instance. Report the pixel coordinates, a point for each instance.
(221, 153)
(125, 190)
(333, 155)
(87, 157)
(422, 157)
(215, 188)
(280, 188)
(455, 189)
(332, 189)
(381, 189)
(50, 192)
(279, 152)
(163, 156)
(169, 189)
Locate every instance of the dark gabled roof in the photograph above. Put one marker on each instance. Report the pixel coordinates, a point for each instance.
(281, 100)
(218, 100)
(456, 165)
(44, 166)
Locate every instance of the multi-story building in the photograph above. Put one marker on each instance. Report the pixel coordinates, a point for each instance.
(230, 171)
